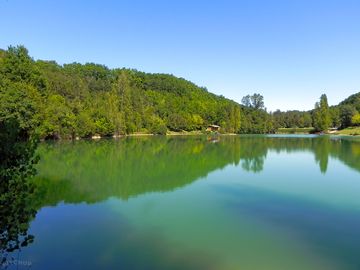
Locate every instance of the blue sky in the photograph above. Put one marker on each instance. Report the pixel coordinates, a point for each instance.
(289, 51)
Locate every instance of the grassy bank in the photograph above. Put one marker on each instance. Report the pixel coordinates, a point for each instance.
(174, 133)
(349, 131)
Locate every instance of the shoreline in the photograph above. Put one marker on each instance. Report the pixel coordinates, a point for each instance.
(353, 131)
(169, 134)
(176, 134)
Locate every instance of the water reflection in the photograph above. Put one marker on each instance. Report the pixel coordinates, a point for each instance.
(16, 209)
(93, 171)
(265, 216)
(328, 232)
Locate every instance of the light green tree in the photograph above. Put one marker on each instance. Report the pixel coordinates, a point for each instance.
(321, 114)
(355, 120)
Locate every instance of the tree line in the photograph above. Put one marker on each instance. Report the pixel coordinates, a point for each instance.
(82, 100)
(323, 116)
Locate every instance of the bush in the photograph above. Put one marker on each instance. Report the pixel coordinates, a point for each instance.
(355, 120)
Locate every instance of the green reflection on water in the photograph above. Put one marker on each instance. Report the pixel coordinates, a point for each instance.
(93, 171)
(239, 202)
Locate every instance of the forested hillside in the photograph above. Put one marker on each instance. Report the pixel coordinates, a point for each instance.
(72, 100)
(82, 100)
(353, 100)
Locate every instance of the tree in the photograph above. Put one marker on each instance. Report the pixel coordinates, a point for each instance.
(58, 120)
(16, 191)
(177, 122)
(246, 101)
(22, 102)
(123, 89)
(356, 119)
(321, 115)
(85, 126)
(255, 101)
(18, 66)
(346, 114)
(157, 125)
(353, 100)
(335, 116)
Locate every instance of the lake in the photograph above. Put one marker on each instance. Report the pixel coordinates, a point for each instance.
(228, 202)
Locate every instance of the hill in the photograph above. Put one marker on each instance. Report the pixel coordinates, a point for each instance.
(82, 100)
(71, 100)
(353, 100)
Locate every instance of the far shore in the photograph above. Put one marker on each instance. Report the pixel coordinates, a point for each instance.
(352, 131)
(140, 134)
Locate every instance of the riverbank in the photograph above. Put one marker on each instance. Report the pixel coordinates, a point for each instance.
(350, 131)
(169, 133)
(182, 133)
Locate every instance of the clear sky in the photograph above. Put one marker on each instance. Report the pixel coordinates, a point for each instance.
(290, 51)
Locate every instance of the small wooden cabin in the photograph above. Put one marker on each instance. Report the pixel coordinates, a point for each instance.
(213, 128)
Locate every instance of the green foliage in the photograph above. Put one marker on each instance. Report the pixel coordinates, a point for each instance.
(76, 100)
(157, 126)
(355, 120)
(256, 122)
(346, 114)
(254, 118)
(335, 116)
(347, 109)
(85, 126)
(292, 119)
(16, 168)
(18, 66)
(353, 100)
(104, 127)
(58, 119)
(255, 101)
(20, 101)
(83, 100)
(321, 115)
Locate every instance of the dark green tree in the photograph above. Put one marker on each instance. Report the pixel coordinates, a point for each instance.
(346, 114)
(16, 190)
(255, 101)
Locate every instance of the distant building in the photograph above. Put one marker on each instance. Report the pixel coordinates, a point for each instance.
(213, 128)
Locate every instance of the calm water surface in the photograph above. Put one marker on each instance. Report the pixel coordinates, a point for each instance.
(239, 202)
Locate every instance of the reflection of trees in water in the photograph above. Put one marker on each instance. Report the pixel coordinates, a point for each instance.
(321, 148)
(254, 155)
(93, 171)
(253, 164)
(16, 167)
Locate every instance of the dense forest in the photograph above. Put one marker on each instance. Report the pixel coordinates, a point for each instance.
(323, 116)
(82, 100)
(73, 100)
